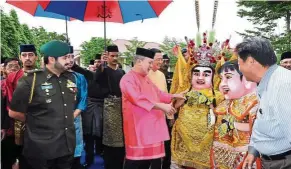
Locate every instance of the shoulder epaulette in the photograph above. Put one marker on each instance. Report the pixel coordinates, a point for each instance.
(31, 72)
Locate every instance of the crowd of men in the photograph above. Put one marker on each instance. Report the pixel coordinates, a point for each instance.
(50, 115)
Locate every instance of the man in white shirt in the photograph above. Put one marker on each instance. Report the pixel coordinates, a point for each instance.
(159, 79)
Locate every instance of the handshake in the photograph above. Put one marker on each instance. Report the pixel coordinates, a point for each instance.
(169, 108)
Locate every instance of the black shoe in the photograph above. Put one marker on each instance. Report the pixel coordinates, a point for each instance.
(86, 166)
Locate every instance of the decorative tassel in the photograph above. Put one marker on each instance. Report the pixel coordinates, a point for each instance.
(197, 14)
(214, 13)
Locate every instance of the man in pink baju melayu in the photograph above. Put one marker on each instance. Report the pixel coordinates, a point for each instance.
(145, 128)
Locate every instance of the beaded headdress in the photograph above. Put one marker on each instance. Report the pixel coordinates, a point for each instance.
(208, 51)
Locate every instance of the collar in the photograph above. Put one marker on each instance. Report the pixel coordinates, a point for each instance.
(265, 80)
(50, 74)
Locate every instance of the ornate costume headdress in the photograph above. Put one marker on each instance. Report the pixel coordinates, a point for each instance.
(208, 51)
(203, 52)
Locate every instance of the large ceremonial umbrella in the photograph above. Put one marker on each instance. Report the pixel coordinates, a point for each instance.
(35, 9)
(119, 11)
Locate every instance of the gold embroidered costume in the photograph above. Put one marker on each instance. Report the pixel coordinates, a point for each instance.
(191, 136)
(192, 133)
(230, 146)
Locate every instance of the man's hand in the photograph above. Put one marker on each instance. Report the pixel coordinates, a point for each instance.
(168, 109)
(179, 96)
(248, 163)
(104, 57)
(3, 134)
(77, 112)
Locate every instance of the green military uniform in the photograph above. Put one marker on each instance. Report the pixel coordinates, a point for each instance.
(48, 102)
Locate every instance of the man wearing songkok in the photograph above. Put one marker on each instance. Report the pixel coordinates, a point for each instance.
(143, 106)
(286, 60)
(107, 97)
(92, 120)
(28, 58)
(80, 107)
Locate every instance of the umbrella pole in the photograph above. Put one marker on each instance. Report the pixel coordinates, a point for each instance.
(104, 20)
(67, 30)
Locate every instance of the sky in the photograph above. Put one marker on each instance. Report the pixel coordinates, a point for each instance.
(177, 20)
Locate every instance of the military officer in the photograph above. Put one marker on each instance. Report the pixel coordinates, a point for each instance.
(45, 101)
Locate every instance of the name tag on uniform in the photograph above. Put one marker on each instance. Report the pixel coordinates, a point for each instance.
(46, 87)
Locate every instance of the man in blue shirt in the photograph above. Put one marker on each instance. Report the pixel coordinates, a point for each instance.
(271, 136)
(80, 107)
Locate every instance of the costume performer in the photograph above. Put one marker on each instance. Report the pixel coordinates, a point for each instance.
(192, 134)
(235, 117)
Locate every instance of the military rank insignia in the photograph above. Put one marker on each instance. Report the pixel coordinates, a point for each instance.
(47, 87)
(72, 86)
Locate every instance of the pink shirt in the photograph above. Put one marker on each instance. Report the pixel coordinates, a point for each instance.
(144, 126)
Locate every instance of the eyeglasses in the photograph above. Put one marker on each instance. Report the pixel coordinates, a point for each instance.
(11, 66)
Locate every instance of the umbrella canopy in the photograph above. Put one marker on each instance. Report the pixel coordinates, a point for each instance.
(118, 11)
(35, 9)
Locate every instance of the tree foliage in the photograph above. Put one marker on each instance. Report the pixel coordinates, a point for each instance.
(13, 33)
(131, 49)
(265, 15)
(9, 38)
(41, 36)
(167, 47)
(93, 47)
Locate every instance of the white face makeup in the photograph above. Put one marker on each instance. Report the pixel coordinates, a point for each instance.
(202, 78)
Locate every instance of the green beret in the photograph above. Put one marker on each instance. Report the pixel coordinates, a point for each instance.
(55, 49)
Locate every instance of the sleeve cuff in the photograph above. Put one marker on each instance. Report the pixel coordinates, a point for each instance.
(253, 151)
(149, 106)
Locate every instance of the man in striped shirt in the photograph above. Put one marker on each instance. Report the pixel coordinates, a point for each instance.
(271, 137)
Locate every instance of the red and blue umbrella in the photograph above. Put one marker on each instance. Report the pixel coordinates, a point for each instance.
(119, 11)
(35, 9)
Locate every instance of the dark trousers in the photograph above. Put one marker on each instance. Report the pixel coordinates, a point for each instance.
(143, 164)
(167, 159)
(64, 162)
(166, 164)
(10, 152)
(113, 157)
(92, 143)
(277, 164)
(77, 163)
